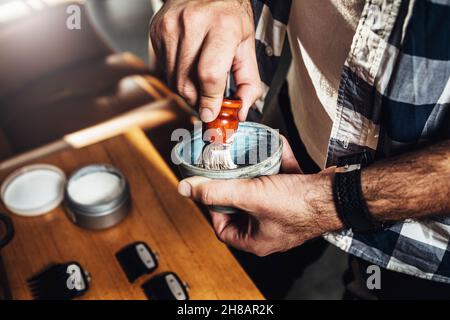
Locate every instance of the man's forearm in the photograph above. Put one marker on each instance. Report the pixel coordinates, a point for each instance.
(413, 185)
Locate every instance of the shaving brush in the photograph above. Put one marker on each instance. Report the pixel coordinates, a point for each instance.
(218, 136)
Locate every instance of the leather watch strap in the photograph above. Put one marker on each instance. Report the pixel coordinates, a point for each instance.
(348, 196)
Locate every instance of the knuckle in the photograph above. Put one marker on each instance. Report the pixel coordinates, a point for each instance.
(187, 91)
(256, 186)
(220, 236)
(205, 196)
(209, 75)
(189, 16)
(183, 89)
(225, 22)
(242, 190)
(261, 252)
(167, 25)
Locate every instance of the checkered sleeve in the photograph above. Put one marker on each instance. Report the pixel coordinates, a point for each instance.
(395, 95)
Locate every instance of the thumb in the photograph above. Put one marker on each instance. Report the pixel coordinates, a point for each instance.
(215, 192)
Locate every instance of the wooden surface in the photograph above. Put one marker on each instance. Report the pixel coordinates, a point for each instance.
(170, 224)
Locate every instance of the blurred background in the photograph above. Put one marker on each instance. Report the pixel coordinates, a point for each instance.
(124, 23)
(55, 81)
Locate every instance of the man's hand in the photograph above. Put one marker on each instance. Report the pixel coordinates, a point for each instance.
(198, 42)
(281, 211)
(287, 209)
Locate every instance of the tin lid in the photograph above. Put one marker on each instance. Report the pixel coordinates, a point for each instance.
(33, 190)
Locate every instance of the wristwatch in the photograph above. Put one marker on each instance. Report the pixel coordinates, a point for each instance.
(348, 196)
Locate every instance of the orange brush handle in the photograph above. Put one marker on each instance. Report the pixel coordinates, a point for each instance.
(223, 128)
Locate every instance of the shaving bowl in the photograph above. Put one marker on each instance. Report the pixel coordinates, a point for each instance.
(256, 151)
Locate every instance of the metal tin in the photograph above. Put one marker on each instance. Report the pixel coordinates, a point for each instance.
(33, 190)
(104, 214)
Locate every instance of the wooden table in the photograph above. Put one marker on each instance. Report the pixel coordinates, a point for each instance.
(170, 224)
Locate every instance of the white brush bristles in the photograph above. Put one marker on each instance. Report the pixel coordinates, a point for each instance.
(216, 156)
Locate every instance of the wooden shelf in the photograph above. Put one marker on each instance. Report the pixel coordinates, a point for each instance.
(170, 224)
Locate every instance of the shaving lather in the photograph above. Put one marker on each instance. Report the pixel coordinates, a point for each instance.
(218, 137)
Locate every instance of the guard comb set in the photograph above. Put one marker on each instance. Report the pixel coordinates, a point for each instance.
(137, 259)
(63, 281)
(66, 281)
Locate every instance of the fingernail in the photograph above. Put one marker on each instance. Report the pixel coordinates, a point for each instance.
(184, 189)
(206, 115)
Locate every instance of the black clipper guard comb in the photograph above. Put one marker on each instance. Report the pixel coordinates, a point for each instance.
(136, 260)
(166, 286)
(63, 281)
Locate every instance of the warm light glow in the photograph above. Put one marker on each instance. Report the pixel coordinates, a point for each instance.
(151, 115)
(13, 10)
(58, 2)
(35, 4)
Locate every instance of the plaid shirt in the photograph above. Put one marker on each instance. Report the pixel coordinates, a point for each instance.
(394, 95)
